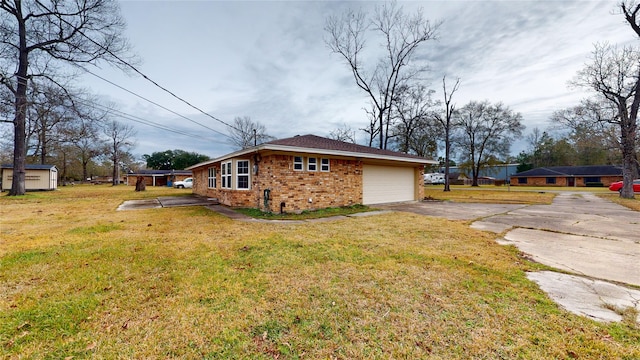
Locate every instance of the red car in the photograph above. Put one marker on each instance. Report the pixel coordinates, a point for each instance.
(617, 186)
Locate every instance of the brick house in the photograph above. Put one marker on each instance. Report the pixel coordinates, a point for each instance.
(573, 176)
(310, 172)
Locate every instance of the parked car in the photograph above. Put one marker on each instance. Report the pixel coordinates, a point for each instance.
(184, 184)
(617, 186)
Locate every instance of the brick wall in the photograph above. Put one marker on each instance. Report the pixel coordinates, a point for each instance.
(340, 186)
(306, 190)
(298, 190)
(564, 181)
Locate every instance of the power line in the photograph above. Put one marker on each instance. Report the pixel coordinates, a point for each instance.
(153, 102)
(141, 120)
(123, 62)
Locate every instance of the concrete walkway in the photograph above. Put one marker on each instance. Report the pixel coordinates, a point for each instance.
(580, 233)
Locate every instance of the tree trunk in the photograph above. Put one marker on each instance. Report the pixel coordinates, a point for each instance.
(628, 129)
(114, 174)
(140, 185)
(447, 151)
(19, 123)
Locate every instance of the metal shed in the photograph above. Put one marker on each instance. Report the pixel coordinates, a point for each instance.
(37, 177)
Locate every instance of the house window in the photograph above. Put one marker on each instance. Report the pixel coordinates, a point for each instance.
(592, 180)
(522, 180)
(298, 163)
(212, 178)
(242, 167)
(312, 164)
(324, 164)
(551, 181)
(226, 175)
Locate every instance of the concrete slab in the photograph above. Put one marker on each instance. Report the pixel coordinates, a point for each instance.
(587, 297)
(491, 226)
(580, 214)
(187, 200)
(453, 211)
(579, 233)
(166, 201)
(590, 256)
(139, 204)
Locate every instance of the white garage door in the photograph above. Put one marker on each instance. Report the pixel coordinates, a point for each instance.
(385, 184)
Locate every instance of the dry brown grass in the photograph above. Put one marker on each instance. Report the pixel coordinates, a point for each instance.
(78, 279)
(633, 204)
(491, 195)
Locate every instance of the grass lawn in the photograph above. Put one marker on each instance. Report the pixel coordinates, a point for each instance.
(80, 280)
(490, 195)
(305, 215)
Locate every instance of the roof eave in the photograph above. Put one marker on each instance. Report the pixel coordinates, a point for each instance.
(306, 150)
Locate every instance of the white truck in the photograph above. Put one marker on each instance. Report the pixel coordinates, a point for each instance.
(434, 178)
(184, 184)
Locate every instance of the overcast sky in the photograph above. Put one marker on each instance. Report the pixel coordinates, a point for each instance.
(268, 60)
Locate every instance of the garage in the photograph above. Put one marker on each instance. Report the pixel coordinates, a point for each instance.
(385, 184)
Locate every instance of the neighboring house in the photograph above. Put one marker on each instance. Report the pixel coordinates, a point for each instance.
(37, 177)
(310, 172)
(593, 175)
(500, 171)
(157, 177)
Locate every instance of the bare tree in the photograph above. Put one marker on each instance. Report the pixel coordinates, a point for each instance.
(50, 110)
(589, 129)
(445, 119)
(413, 131)
(247, 133)
(121, 140)
(614, 73)
(486, 132)
(402, 36)
(343, 133)
(36, 37)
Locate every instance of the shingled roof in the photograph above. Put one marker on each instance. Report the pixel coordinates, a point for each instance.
(312, 144)
(29, 166)
(564, 171)
(159, 172)
(321, 143)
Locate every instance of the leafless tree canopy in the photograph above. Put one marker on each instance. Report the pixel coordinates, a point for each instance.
(121, 140)
(614, 74)
(247, 133)
(486, 132)
(414, 130)
(37, 38)
(444, 118)
(380, 78)
(343, 133)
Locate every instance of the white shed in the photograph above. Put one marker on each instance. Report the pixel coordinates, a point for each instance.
(37, 177)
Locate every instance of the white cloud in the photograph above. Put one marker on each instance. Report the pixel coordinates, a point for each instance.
(268, 60)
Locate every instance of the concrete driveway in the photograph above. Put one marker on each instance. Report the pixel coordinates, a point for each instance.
(580, 233)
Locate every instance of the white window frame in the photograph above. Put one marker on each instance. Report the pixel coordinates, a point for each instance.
(212, 178)
(325, 167)
(310, 164)
(243, 174)
(300, 163)
(226, 175)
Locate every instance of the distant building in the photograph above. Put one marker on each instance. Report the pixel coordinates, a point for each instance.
(592, 175)
(498, 172)
(37, 177)
(157, 177)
